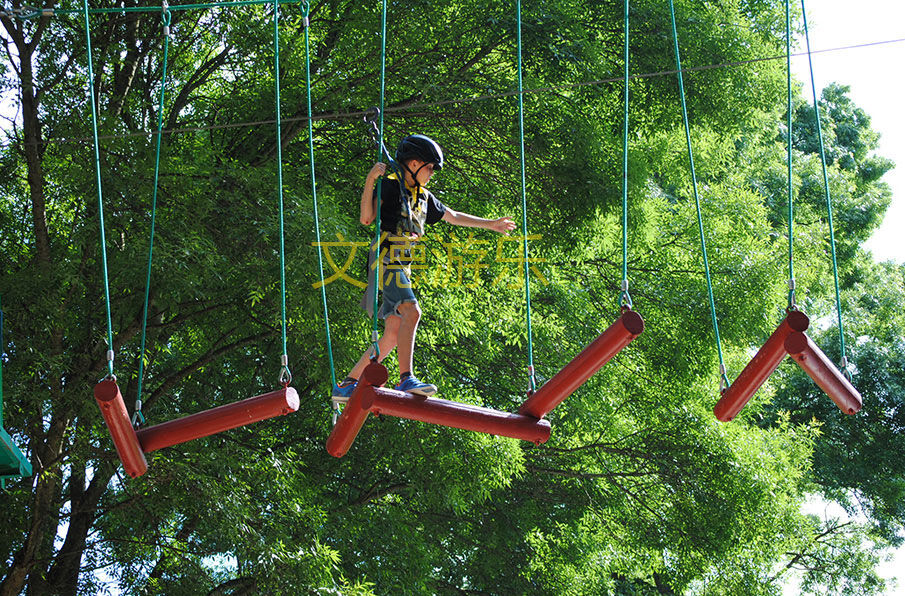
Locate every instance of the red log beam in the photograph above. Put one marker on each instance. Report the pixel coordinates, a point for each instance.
(219, 419)
(760, 368)
(820, 368)
(582, 367)
(113, 409)
(379, 400)
(353, 417)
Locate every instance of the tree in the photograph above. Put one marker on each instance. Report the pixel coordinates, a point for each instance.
(638, 491)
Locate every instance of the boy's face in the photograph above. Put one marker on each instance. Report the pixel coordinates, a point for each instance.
(423, 171)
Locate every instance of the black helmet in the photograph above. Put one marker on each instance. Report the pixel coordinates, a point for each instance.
(422, 148)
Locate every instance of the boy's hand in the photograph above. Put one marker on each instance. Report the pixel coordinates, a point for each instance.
(377, 171)
(503, 225)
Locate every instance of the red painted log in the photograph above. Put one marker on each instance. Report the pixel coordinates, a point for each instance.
(219, 419)
(455, 414)
(820, 368)
(353, 417)
(760, 368)
(110, 400)
(582, 367)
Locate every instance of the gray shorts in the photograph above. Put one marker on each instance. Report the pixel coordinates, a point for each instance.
(396, 287)
(397, 290)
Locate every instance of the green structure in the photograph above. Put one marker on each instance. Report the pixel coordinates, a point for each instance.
(13, 464)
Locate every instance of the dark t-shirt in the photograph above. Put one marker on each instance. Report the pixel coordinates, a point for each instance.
(401, 214)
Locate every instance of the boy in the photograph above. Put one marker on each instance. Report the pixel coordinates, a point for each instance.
(406, 208)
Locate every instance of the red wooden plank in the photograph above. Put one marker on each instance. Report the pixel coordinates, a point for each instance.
(820, 368)
(379, 400)
(760, 368)
(219, 419)
(577, 372)
(113, 409)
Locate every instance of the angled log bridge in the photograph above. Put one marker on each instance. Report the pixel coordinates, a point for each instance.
(527, 424)
(789, 338)
(131, 445)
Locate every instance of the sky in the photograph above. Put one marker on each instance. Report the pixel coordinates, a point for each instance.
(874, 74)
(876, 86)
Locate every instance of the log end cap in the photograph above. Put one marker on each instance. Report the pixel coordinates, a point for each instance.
(633, 322)
(106, 391)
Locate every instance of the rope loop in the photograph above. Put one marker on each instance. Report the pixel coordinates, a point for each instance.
(625, 299)
(137, 417)
(336, 411)
(167, 17)
(375, 341)
(285, 376)
(843, 365)
(372, 117)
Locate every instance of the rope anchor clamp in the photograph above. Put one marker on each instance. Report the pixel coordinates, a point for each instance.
(137, 417)
(285, 375)
(625, 299)
(167, 17)
(371, 117)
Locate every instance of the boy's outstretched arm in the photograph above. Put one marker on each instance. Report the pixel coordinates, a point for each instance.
(367, 210)
(503, 225)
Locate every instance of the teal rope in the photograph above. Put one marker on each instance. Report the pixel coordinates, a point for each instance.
(285, 375)
(521, 129)
(100, 194)
(789, 154)
(724, 381)
(317, 227)
(625, 300)
(138, 416)
(377, 280)
(826, 187)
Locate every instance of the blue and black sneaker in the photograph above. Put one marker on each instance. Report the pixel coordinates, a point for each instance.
(342, 392)
(411, 384)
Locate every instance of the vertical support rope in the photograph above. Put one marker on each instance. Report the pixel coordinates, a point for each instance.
(317, 227)
(826, 188)
(138, 416)
(376, 265)
(100, 193)
(625, 299)
(521, 125)
(285, 375)
(724, 381)
(789, 154)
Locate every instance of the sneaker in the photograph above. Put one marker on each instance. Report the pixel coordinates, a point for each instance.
(342, 393)
(413, 385)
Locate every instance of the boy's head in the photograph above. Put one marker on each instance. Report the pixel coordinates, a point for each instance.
(419, 151)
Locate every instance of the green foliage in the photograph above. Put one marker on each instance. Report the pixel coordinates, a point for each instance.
(639, 490)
